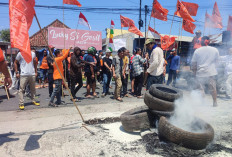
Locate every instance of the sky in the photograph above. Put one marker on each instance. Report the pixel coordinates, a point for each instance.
(99, 21)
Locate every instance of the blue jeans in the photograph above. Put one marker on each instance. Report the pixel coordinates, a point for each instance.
(57, 91)
(154, 80)
(106, 82)
(43, 73)
(172, 76)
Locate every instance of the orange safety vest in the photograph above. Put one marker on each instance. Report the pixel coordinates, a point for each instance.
(1, 55)
(196, 43)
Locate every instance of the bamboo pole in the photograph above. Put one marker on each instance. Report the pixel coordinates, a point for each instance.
(181, 37)
(50, 52)
(7, 92)
(144, 47)
(65, 72)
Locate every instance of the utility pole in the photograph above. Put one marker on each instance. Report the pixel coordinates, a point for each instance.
(140, 19)
(146, 12)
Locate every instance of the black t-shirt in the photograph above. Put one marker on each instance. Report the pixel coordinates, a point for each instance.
(108, 62)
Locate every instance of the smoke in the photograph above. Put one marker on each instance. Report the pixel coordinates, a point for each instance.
(185, 114)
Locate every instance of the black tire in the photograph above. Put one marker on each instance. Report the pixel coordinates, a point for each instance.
(165, 92)
(162, 113)
(157, 104)
(135, 119)
(196, 141)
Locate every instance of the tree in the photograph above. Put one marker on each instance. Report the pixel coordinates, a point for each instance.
(5, 35)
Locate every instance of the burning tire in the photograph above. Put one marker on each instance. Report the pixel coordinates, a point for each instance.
(157, 104)
(162, 113)
(165, 92)
(135, 119)
(184, 138)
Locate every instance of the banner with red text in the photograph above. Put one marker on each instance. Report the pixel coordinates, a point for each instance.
(58, 37)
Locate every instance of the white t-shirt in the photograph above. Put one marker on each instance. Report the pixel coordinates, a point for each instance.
(156, 67)
(27, 69)
(206, 59)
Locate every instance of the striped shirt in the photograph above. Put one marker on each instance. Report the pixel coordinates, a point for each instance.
(137, 64)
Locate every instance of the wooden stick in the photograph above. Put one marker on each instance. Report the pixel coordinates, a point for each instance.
(7, 93)
(50, 52)
(144, 47)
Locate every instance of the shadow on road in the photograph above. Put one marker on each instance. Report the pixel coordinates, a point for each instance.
(32, 142)
(4, 138)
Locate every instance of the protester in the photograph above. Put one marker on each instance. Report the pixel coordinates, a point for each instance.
(197, 40)
(90, 72)
(106, 70)
(4, 70)
(57, 77)
(137, 64)
(125, 74)
(132, 79)
(44, 68)
(204, 63)
(118, 73)
(76, 72)
(156, 64)
(50, 72)
(174, 66)
(27, 76)
(228, 70)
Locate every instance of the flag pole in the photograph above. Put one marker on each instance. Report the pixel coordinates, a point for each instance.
(178, 37)
(64, 48)
(170, 31)
(50, 52)
(76, 33)
(181, 36)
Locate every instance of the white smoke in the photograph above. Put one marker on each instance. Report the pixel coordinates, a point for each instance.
(185, 114)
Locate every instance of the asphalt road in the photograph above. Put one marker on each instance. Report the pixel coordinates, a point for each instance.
(43, 98)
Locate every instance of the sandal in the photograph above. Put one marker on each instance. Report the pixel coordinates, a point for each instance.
(119, 99)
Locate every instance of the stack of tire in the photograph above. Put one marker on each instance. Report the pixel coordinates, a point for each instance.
(160, 99)
(160, 102)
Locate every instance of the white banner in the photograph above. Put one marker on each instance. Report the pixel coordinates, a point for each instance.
(118, 43)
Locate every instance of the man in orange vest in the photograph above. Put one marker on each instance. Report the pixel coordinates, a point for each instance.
(4, 70)
(197, 40)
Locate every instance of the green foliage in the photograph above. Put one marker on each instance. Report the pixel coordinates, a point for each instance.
(5, 35)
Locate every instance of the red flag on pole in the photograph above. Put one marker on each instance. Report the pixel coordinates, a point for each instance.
(72, 2)
(135, 30)
(183, 12)
(153, 32)
(1, 55)
(191, 7)
(166, 41)
(229, 26)
(208, 20)
(159, 12)
(126, 22)
(83, 20)
(21, 15)
(188, 26)
(217, 17)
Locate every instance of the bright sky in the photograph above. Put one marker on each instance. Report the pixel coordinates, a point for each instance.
(101, 21)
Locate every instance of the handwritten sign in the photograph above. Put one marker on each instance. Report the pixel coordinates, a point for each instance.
(62, 38)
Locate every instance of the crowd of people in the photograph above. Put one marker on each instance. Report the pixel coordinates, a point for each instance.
(143, 69)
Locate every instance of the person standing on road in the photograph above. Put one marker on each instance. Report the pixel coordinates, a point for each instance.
(106, 70)
(156, 64)
(137, 64)
(50, 72)
(4, 70)
(204, 63)
(118, 73)
(76, 65)
(27, 76)
(174, 67)
(57, 77)
(228, 70)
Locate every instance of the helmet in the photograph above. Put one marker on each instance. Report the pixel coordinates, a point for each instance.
(92, 50)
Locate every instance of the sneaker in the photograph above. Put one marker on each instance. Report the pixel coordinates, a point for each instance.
(21, 106)
(103, 95)
(36, 103)
(62, 103)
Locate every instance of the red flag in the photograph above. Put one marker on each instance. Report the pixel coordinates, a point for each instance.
(153, 32)
(159, 12)
(1, 55)
(183, 12)
(208, 20)
(135, 30)
(72, 2)
(216, 17)
(83, 20)
(191, 7)
(229, 27)
(188, 26)
(126, 22)
(21, 15)
(166, 41)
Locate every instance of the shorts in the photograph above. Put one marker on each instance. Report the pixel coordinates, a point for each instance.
(207, 81)
(90, 80)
